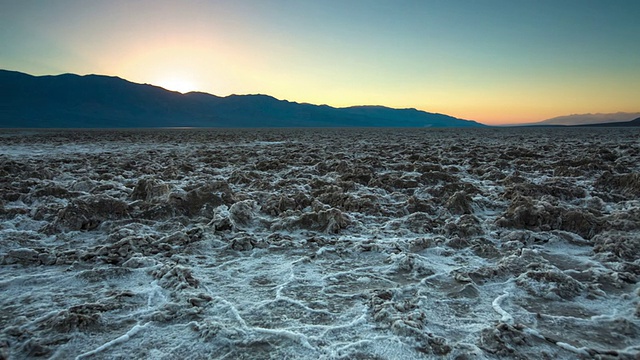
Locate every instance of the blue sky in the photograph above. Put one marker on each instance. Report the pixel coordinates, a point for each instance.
(494, 61)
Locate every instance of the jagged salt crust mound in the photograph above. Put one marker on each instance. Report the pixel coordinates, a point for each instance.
(320, 244)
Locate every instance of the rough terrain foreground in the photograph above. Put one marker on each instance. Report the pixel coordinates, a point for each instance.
(320, 244)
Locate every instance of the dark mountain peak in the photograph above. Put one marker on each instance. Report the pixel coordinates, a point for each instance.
(63, 76)
(381, 108)
(7, 73)
(257, 99)
(91, 77)
(198, 93)
(367, 107)
(70, 100)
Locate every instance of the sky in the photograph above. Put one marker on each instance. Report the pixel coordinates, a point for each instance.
(494, 61)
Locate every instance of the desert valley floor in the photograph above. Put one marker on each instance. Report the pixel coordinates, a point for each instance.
(320, 244)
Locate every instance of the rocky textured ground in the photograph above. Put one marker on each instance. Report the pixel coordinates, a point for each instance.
(320, 244)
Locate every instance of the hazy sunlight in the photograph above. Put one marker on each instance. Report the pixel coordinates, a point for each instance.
(179, 84)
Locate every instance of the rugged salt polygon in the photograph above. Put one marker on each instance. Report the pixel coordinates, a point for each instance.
(320, 243)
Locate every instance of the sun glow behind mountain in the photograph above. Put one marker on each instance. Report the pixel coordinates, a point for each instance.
(177, 83)
(497, 61)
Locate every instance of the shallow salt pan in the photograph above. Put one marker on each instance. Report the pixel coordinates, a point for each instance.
(319, 244)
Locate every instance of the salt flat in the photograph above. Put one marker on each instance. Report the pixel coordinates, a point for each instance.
(320, 244)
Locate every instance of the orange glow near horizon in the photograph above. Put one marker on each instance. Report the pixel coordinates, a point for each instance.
(343, 54)
(176, 83)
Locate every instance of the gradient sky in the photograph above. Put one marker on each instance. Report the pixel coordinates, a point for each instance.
(495, 61)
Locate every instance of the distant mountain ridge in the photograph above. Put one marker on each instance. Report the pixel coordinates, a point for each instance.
(587, 119)
(634, 123)
(96, 101)
(628, 123)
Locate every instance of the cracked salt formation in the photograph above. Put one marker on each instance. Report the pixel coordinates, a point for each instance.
(323, 244)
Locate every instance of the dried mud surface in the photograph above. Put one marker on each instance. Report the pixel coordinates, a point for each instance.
(320, 244)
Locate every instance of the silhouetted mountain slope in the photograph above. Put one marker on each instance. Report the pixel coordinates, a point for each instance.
(73, 101)
(631, 123)
(634, 122)
(587, 119)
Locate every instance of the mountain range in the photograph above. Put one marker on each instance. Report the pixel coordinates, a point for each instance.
(96, 101)
(634, 123)
(589, 119)
(599, 119)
